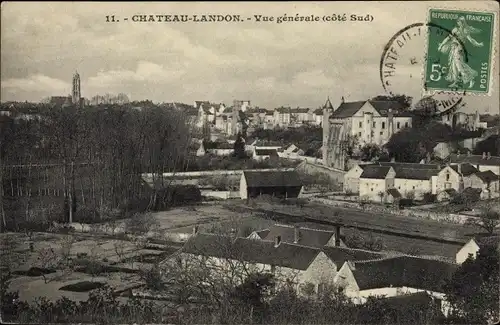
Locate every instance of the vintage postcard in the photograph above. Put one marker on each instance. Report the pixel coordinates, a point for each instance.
(306, 162)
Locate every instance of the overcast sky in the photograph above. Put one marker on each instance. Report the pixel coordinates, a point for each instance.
(290, 64)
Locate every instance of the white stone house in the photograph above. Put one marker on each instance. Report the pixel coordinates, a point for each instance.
(297, 265)
(394, 276)
(371, 121)
(282, 117)
(488, 182)
(221, 149)
(471, 248)
(374, 182)
(260, 154)
(351, 179)
(456, 177)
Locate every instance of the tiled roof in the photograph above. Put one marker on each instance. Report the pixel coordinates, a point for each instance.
(420, 174)
(381, 106)
(254, 251)
(339, 255)
(394, 193)
(465, 169)
(475, 160)
(398, 165)
(307, 237)
(283, 110)
(319, 111)
(266, 152)
(487, 176)
(347, 109)
(272, 178)
(402, 271)
(299, 110)
(374, 171)
(262, 233)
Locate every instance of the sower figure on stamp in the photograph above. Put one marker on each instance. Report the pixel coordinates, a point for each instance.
(459, 71)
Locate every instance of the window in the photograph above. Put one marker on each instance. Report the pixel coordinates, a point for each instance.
(359, 133)
(447, 176)
(398, 125)
(360, 124)
(371, 189)
(406, 124)
(374, 124)
(413, 187)
(383, 125)
(381, 132)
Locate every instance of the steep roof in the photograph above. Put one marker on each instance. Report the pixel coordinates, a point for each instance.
(307, 236)
(339, 255)
(398, 165)
(283, 110)
(402, 271)
(413, 170)
(254, 251)
(475, 160)
(374, 171)
(487, 176)
(488, 241)
(394, 193)
(262, 233)
(222, 145)
(318, 111)
(466, 169)
(272, 178)
(328, 104)
(348, 109)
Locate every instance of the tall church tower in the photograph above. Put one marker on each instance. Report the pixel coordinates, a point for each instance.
(327, 111)
(76, 94)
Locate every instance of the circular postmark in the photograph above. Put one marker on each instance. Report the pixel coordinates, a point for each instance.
(404, 60)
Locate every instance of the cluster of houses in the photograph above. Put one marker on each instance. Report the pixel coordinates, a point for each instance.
(387, 182)
(313, 260)
(257, 149)
(228, 120)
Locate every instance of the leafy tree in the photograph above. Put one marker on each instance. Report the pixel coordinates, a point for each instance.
(490, 144)
(239, 147)
(473, 289)
(370, 151)
(403, 99)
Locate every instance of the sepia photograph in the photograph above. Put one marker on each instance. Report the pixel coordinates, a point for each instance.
(299, 162)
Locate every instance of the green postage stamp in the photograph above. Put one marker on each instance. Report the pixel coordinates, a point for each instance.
(460, 56)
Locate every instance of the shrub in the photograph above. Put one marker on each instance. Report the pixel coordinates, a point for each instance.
(83, 286)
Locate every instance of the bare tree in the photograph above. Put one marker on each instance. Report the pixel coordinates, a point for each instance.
(488, 220)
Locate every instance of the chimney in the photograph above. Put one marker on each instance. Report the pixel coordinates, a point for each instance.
(337, 236)
(458, 153)
(277, 241)
(489, 155)
(393, 159)
(484, 155)
(459, 169)
(296, 234)
(342, 99)
(195, 230)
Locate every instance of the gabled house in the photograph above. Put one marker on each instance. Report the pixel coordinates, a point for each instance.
(488, 182)
(417, 179)
(299, 116)
(351, 179)
(471, 248)
(259, 234)
(454, 177)
(279, 183)
(300, 265)
(282, 116)
(480, 162)
(374, 182)
(372, 121)
(395, 276)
